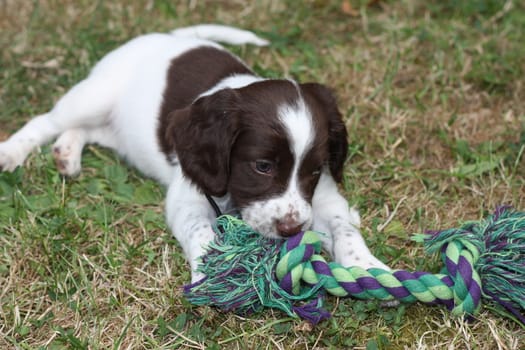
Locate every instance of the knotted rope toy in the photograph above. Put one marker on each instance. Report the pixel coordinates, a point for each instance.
(247, 272)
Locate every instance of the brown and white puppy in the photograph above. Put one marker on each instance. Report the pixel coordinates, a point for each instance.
(188, 113)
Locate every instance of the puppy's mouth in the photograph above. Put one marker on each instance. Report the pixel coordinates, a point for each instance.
(286, 228)
(274, 226)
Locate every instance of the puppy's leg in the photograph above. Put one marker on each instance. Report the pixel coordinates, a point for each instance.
(86, 105)
(67, 150)
(333, 216)
(15, 149)
(190, 217)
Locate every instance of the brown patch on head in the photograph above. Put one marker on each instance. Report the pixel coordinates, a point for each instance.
(222, 140)
(190, 75)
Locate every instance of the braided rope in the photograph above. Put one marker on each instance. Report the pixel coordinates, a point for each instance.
(246, 272)
(459, 289)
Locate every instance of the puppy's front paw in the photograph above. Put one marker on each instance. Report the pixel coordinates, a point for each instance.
(197, 276)
(364, 261)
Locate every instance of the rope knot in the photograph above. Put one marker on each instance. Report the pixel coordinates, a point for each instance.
(295, 257)
(460, 257)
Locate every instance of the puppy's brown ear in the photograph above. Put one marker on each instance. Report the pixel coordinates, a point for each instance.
(337, 134)
(200, 137)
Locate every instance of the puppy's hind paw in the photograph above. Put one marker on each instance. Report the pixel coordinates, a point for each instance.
(67, 163)
(67, 152)
(9, 158)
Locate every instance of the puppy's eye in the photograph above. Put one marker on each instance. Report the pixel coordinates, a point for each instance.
(264, 167)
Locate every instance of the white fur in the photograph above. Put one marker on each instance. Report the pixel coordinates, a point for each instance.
(331, 214)
(117, 106)
(297, 121)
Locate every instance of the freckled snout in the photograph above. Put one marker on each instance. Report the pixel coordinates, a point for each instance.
(288, 226)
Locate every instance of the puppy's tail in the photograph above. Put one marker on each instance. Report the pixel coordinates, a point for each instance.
(220, 33)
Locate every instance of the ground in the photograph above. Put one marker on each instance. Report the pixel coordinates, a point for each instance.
(433, 94)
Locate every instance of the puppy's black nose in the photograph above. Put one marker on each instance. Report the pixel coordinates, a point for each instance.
(288, 228)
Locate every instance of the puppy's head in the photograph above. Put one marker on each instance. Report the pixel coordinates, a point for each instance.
(265, 144)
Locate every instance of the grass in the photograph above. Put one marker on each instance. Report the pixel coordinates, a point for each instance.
(434, 98)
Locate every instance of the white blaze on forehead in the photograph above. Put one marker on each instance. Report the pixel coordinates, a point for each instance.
(297, 121)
